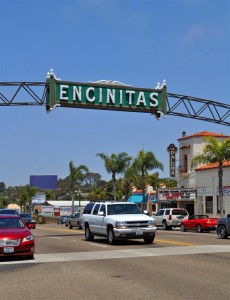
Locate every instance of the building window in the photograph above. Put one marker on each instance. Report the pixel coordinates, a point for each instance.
(209, 204)
(185, 163)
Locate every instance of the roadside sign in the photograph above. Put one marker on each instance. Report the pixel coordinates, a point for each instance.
(105, 95)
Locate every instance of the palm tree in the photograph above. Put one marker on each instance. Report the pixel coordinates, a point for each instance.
(76, 175)
(215, 152)
(145, 162)
(115, 164)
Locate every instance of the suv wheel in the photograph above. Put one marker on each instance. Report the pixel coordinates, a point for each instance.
(111, 238)
(78, 225)
(221, 232)
(88, 234)
(164, 225)
(70, 226)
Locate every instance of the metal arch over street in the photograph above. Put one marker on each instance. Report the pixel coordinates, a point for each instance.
(34, 94)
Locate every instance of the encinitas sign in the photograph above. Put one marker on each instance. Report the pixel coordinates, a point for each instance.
(107, 95)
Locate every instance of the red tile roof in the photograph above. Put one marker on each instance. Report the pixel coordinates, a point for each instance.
(212, 166)
(204, 134)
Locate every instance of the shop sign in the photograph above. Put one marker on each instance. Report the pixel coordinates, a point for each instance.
(172, 149)
(176, 194)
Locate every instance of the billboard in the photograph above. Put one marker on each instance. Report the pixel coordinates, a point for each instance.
(44, 182)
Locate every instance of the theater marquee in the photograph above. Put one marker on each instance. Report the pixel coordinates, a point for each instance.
(176, 194)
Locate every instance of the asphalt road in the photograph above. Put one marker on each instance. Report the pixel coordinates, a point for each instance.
(176, 266)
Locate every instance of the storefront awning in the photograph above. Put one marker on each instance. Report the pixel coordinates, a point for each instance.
(138, 199)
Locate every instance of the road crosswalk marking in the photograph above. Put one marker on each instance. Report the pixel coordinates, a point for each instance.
(119, 254)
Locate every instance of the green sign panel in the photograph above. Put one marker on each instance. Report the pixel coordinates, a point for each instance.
(105, 95)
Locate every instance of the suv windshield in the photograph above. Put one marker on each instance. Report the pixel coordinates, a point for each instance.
(120, 209)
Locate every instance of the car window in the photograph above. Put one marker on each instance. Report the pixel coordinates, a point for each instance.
(88, 208)
(96, 208)
(8, 212)
(11, 223)
(159, 213)
(167, 212)
(180, 212)
(120, 209)
(102, 208)
(25, 215)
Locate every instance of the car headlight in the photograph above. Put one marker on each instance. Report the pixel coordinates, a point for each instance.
(28, 238)
(120, 225)
(151, 223)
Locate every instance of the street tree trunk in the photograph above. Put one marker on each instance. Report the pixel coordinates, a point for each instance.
(114, 188)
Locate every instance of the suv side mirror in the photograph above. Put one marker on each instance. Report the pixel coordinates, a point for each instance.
(101, 213)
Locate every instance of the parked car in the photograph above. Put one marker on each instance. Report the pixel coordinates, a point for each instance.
(199, 223)
(15, 237)
(67, 220)
(74, 221)
(223, 227)
(61, 219)
(30, 221)
(170, 217)
(8, 211)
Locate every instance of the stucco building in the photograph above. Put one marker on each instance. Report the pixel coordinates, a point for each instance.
(204, 178)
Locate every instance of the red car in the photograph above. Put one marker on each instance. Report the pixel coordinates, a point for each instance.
(199, 223)
(15, 237)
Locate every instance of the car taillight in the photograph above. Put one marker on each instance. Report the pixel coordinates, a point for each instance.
(170, 217)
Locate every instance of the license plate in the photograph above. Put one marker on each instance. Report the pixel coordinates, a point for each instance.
(8, 250)
(139, 232)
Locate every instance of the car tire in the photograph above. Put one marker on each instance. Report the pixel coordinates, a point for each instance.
(88, 234)
(149, 240)
(30, 256)
(199, 228)
(111, 237)
(78, 225)
(70, 226)
(164, 225)
(222, 232)
(182, 228)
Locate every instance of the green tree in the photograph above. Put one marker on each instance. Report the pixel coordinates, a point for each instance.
(144, 162)
(75, 177)
(25, 197)
(215, 152)
(99, 193)
(115, 164)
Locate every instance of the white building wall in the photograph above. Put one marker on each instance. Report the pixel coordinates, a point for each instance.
(207, 183)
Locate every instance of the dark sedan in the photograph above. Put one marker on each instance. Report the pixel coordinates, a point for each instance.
(62, 219)
(15, 237)
(30, 221)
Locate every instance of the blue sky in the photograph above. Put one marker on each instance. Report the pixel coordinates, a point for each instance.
(135, 42)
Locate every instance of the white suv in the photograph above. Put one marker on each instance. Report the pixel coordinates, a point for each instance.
(170, 217)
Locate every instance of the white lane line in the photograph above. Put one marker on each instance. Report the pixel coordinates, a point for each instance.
(96, 255)
(57, 238)
(97, 245)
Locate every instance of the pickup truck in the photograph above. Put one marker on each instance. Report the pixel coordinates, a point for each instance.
(117, 221)
(223, 227)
